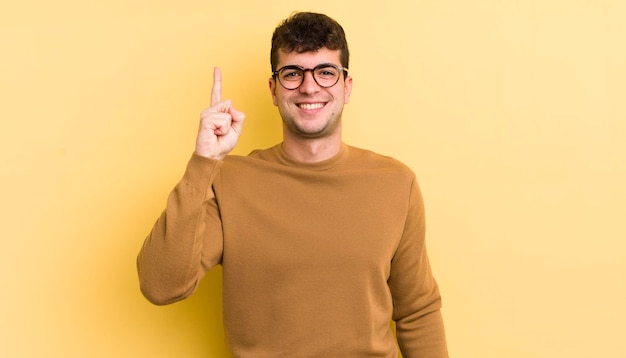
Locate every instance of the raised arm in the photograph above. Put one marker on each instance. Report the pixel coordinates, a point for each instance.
(186, 240)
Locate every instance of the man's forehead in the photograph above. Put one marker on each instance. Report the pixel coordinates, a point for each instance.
(309, 58)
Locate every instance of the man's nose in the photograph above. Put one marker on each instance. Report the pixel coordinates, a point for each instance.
(309, 85)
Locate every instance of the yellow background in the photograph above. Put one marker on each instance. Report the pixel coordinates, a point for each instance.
(512, 114)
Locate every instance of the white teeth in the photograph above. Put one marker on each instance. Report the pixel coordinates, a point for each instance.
(309, 106)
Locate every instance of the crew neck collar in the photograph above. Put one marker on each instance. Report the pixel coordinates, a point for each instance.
(327, 164)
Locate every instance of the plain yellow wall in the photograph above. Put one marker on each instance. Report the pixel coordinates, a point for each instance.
(512, 113)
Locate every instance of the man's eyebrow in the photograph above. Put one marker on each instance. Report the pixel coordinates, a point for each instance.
(324, 64)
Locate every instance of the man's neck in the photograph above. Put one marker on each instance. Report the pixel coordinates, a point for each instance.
(312, 150)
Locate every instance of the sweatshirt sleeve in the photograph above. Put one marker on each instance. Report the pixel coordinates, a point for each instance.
(186, 240)
(416, 297)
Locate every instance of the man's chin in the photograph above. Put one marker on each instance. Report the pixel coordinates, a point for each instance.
(312, 133)
(310, 130)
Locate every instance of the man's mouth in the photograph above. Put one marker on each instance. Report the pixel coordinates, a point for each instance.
(310, 106)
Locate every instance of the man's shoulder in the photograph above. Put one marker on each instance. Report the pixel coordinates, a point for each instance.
(369, 159)
(256, 160)
(265, 154)
(269, 154)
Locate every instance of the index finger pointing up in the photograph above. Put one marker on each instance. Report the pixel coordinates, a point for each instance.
(216, 91)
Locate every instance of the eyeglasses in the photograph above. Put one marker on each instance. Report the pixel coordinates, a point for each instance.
(325, 75)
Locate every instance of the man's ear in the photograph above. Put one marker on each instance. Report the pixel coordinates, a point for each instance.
(272, 83)
(348, 91)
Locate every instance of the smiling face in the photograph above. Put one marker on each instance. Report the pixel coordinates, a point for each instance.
(311, 111)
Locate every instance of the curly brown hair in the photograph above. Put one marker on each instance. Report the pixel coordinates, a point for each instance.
(308, 32)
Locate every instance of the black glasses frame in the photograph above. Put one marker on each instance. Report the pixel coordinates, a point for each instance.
(305, 70)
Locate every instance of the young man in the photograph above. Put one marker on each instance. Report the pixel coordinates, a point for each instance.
(321, 243)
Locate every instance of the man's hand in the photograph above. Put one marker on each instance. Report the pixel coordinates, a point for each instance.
(220, 124)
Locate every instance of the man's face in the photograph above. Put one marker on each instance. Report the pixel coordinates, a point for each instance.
(311, 111)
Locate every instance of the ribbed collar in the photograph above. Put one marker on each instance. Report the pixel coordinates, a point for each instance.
(327, 164)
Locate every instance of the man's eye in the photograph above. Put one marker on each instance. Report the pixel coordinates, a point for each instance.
(327, 72)
(291, 74)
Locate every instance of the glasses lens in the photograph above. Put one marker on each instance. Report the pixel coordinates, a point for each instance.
(290, 77)
(326, 76)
